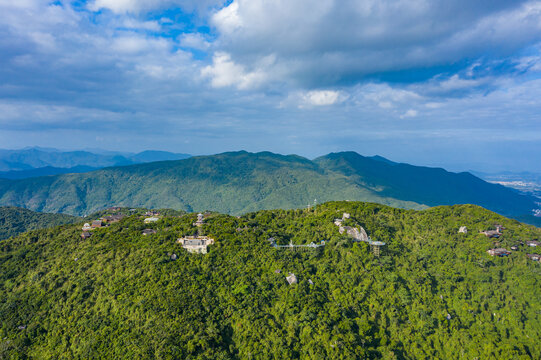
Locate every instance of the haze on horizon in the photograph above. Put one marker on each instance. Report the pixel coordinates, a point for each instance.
(443, 83)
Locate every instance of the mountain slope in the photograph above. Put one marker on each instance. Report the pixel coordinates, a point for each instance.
(229, 182)
(429, 186)
(239, 182)
(433, 293)
(14, 221)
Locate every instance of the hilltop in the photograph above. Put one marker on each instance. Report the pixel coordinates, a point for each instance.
(240, 182)
(14, 220)
(433, 292)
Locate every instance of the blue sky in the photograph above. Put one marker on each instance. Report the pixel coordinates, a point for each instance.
(451, 83)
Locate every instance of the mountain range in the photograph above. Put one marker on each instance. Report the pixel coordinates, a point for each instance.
(239, 182)
(35, 161)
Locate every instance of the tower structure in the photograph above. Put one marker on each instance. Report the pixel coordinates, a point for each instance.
(376, 247)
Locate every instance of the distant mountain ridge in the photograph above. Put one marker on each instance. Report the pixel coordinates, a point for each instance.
(39, 158)
(239, 182)
(44, 171)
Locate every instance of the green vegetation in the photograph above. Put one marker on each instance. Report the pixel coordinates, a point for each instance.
(236, 183)
(433, 294)
(14, 221)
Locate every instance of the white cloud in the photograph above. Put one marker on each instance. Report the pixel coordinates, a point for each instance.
(123, 6)
(409, 114)
(385, 96)
(225, 72)
(322, 97)
(135, 6)
(227, 19)
(194, 41)
(373, 36)
(132, 23)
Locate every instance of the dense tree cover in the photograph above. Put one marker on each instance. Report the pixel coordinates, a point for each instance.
(14, 220)
(433, 293)
(236, 183)
(127, 211)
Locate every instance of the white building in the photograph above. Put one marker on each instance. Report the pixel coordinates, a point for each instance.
(195, 244)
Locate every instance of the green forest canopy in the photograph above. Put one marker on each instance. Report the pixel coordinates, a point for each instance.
(14, 220)
(434, 293)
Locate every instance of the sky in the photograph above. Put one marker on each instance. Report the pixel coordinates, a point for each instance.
(450, 83)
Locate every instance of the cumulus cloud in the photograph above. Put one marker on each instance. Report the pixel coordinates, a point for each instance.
(322, 97)
(194, 41)
(136, 6)
(227, 19)
(225, 72)
(330, 41)
(410, 113)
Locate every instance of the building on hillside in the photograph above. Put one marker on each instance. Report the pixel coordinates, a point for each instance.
(338, 222)
(463, 230)
(291, 279)
(346, 216)
(149, 232)
(96, 224)
(491, 233)
(151, 219)
(532, 243)
(195, 244)
(498, 252)
(85, 235)
(534, 257)
(113, 218)
(86, 227)
(200, 220)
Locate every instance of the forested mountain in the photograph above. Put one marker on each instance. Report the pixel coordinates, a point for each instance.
(41, 160)
(425, 185)
(239, 182)
(14, 220)
(433, 292)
